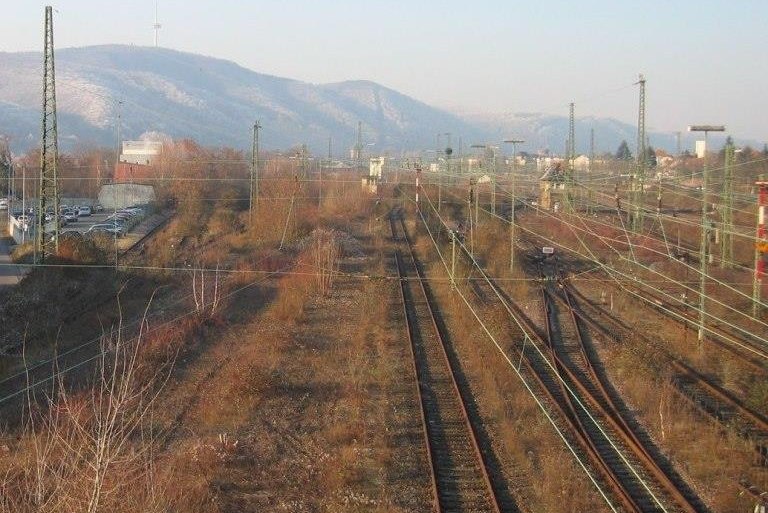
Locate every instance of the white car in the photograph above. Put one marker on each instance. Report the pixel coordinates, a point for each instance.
(84, 211)
(3, 204)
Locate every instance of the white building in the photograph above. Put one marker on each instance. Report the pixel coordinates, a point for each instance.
(581, 163)
(375, 167)
(375, 170)
(141, 152)
(544, 163)
(701, 149)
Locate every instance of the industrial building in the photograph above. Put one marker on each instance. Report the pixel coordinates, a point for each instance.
(552, 188)
(137, 161)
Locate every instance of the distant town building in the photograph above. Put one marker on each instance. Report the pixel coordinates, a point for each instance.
(375, 167)
(701, 149)
(141, 152)
(581, 163)
(552, 187)
(137, 160)
(375, 171)
(544, 163)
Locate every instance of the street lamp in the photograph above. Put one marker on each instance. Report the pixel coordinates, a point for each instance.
(704, 221)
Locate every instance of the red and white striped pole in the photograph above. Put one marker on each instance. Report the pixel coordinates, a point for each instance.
(761, 244)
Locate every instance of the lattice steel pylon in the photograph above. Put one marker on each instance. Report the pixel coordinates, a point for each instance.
(638, 181)
(726, 224)
(48, 194)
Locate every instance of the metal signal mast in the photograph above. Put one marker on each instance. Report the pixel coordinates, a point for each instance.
(638, 183)
(254, 197)
(726, 225)
(571, 150)
(48, 196)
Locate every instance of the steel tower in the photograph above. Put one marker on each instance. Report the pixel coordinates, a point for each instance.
(48, 195)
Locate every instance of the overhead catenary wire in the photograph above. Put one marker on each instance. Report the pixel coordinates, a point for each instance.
(612, 272)
(632, 245)
(476, 265)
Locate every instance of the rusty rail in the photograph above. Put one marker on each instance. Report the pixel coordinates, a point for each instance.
(454, 489)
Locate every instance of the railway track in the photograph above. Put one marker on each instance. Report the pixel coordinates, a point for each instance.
(701, 391)
(461, 480)
(747, 349)
(138, 246)
(637, 482)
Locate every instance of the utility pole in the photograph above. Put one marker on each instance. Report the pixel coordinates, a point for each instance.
(453, 260)
(590, 195)
(726, 226)
(638, 181)
(304, 172)
(439, 177)
(571, 149)
(704, 223)
(359, 146)
(418, 185)
(761, 246)
(514, 143)
(512, 228)
(472, 197)
(448, 153)
(24, 204)
(49, 152)
(493, 178)
(253, 200)
(320, 187)
(10, 196)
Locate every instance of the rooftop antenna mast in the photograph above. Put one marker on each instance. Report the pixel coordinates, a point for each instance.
(157, 26)
(48, 196)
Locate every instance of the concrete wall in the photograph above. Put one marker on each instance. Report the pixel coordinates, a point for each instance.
(121, 195)
(19, 233)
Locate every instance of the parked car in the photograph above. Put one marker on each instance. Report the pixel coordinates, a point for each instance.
(97, 208)
(71, 215)
(84, 211)
(107, 227)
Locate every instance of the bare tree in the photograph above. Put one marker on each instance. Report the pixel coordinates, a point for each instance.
(88, 449)
(326, 251)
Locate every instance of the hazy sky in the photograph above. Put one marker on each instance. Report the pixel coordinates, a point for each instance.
(705, 61)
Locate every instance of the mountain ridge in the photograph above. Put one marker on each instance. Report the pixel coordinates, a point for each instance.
(188, 95)
(215, 101)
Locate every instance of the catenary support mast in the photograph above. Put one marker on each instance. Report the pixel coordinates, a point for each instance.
(48, 193)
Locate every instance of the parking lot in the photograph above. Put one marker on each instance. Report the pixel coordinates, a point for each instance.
(84, 223)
